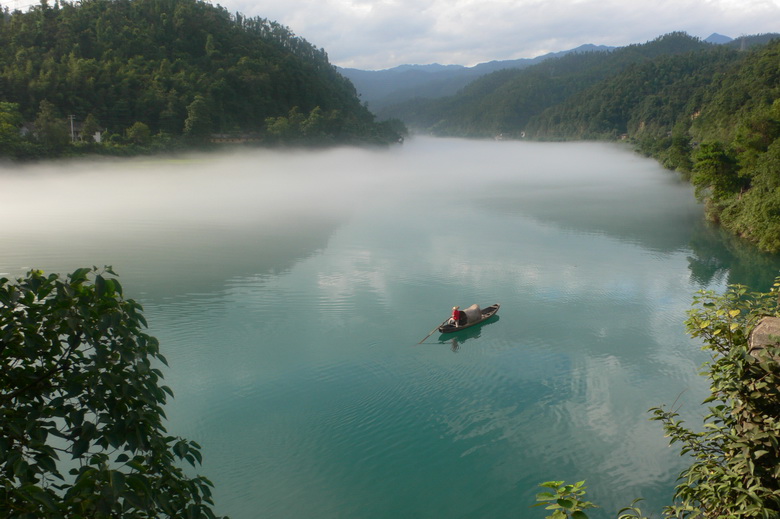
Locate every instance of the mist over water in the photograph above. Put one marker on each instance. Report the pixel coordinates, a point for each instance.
(289, 290)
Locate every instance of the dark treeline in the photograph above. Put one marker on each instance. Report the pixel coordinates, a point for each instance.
(711, 112)
(152, 71)
(505, 101)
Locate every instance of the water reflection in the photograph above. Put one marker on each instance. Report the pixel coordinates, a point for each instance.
(721, 258)
(651, 208)
(287, 289)
(457, 339)
(635, 200)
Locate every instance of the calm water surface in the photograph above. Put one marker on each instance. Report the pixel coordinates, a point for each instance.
(290, 290)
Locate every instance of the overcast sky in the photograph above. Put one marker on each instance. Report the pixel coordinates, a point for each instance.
(378, 34)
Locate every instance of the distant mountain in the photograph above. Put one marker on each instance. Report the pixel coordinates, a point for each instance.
(504, 101)
(382, 88)
(718, 39)
(743, 42)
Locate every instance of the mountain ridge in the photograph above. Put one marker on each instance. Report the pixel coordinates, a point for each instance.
(382, 88)
(710, 111)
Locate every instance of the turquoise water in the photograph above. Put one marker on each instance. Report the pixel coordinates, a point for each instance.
(289, 291)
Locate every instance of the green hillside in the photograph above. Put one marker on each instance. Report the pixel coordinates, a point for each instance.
(713, 115)
(177, 67)
(505, 101)
(711, 112)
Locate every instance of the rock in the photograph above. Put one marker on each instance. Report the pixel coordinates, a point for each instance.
(767, 333)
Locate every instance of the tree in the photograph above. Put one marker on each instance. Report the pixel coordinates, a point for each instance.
(292, 127)
(715, 172)
(10, 122)
(735, 469)
(198, 122)
(139, 133)
(679, 153)
(90, 128)
(81, 406)
(314, 126)
(50, 130)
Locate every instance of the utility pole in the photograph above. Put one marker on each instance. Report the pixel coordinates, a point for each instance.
(72, 133)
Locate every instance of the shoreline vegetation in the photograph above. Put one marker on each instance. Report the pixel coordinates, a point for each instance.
(140, 77)
(129, 77)
(734, 455)
(711, 112)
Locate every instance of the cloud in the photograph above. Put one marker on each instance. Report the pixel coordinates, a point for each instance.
(374, 34)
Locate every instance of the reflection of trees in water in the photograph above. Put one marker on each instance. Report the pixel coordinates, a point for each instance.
(720, 255)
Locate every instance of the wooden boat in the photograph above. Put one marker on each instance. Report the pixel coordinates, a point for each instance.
(469, 317)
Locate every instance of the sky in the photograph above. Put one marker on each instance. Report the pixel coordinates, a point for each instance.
(380, 34)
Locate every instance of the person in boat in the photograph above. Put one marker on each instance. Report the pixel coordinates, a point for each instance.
(455, 319)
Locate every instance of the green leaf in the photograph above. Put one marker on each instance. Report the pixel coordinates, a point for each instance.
(100, 285)
(80, 275)
(566, 503)
(80, 446)
(47, 464)
(43, 497)
(117, 481)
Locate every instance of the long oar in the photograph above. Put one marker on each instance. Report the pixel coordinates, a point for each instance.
(442, 324)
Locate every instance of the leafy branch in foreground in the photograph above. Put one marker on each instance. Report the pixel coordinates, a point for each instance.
(735, 470)
(81, 406)
(564, 500)
(735, 460)
(567, 501)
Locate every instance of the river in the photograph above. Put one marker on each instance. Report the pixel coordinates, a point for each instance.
(290, 289)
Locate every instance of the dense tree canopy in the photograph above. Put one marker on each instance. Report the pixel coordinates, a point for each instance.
(148, 61)
(505, 101)
(81, 407)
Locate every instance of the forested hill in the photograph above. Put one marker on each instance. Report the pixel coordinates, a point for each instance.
(382, 88)
(504, 102)
(713, 115)
(177, 67)
(709, 111)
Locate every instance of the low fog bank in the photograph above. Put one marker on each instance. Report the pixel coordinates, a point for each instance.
(191, 222)
(185, 223)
